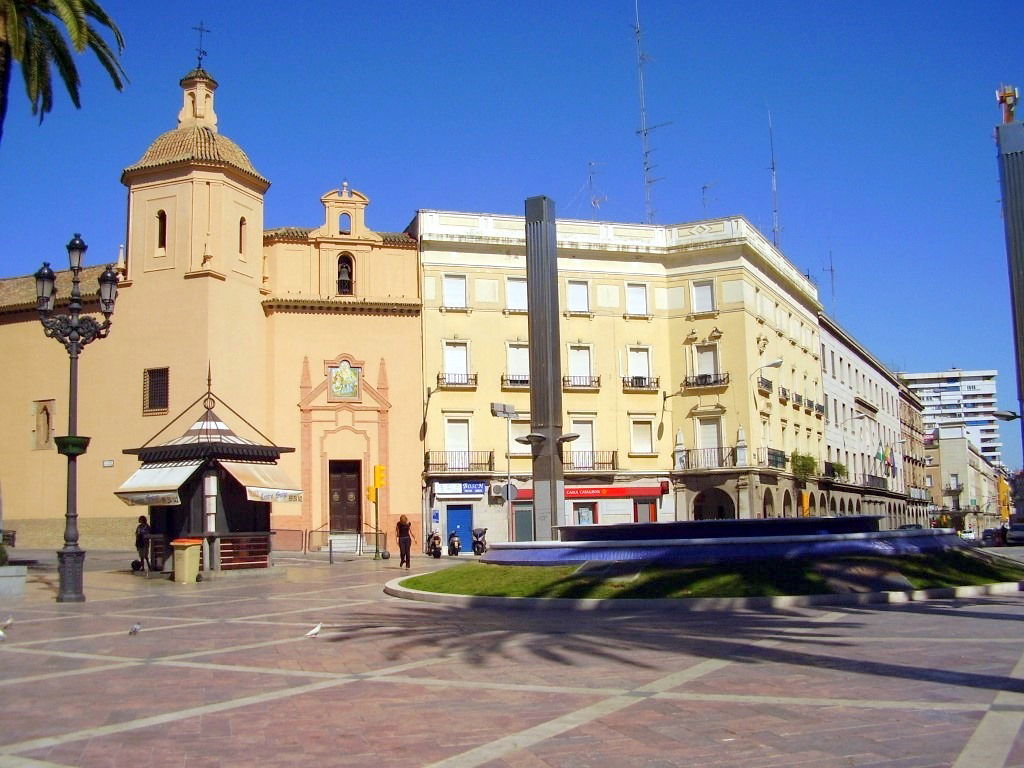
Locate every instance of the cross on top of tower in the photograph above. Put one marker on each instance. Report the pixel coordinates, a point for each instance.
(199, 50)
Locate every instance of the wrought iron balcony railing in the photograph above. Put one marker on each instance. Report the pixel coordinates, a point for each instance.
(764, 385)
(459, 461)
(515, 380)
(771, 457)
(581, 461)
(874, 481)
(783, 394)
(708, 458)
(706, 380)
(456, 380)
(581, 382)
(798, 399)
(640, 383)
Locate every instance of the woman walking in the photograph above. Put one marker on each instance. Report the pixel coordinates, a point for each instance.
(405, 540)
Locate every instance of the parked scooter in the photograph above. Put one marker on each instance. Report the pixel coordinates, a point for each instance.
(454, 544)
(434, 544)
(479, 541)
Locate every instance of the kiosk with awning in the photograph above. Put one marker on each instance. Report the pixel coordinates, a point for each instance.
(213, 485)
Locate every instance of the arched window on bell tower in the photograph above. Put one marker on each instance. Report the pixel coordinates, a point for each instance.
(161, 230)
(344, 224)
(345, 275)
(241, 237)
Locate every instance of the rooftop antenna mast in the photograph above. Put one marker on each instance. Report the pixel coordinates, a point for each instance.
(704, 189)
(832, 279)
(645, 130)
(776, 229)
(595, 197)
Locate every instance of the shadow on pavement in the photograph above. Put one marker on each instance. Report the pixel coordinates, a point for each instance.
(486, 636)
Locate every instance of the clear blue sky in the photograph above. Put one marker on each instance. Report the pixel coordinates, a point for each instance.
(883, 116)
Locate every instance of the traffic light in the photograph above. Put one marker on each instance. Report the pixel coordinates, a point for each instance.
(379, 476)
(371, 493)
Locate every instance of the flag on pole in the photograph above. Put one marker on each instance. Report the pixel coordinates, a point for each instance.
(880, 455)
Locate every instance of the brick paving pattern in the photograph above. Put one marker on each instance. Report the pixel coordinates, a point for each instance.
(222, 675)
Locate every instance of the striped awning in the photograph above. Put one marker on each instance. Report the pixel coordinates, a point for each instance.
(156, 485)
(264, 482)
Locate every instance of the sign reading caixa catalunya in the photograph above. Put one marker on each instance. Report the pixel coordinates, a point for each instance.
(602, 492)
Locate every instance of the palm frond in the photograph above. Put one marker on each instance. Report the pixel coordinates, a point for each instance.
(93, 10)
(72, 15)
(108, 59)
(58, 53)
(43, 36)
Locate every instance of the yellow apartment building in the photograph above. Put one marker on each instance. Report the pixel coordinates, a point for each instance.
(690, 372)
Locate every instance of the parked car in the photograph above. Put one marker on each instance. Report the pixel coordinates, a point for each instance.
(990, 537)
(968, 535)
(1015, 535)
(910, 527)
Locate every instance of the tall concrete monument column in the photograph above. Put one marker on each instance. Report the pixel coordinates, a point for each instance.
(545, 436)
(1010, 143)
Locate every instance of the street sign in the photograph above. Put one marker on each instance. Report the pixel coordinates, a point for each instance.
(509, 492)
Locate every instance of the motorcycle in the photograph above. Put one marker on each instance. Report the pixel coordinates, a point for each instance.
(434, 544)
(454, 544)
(479, 541)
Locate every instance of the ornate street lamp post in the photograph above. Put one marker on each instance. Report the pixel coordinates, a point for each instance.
(74, 331)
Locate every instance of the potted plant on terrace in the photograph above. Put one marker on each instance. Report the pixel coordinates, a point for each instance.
(802, 465)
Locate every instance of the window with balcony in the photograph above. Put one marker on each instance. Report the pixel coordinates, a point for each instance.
(456, 443)
(456, 366)
(707, 373)
(639, 369)
(580, 454)
(703, 296)
(515, 294)
(636, 299)
(455, 292)
(580, 369)
(577, 296)
(517, 365)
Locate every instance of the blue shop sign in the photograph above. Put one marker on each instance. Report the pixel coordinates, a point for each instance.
(475, 488)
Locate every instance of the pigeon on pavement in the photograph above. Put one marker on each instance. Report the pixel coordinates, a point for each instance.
(135, 629)
(315, 630)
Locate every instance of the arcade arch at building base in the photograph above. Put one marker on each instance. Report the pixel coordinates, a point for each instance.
(725, 496)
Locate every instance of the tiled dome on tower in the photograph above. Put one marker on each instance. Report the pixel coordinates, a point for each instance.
(196, 141)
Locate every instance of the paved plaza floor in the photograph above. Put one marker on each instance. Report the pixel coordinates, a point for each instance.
(222, 674)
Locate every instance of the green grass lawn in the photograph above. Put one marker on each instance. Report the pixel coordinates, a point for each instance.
(752, 579)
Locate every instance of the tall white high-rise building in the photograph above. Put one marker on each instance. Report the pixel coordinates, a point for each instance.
(956, 397)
